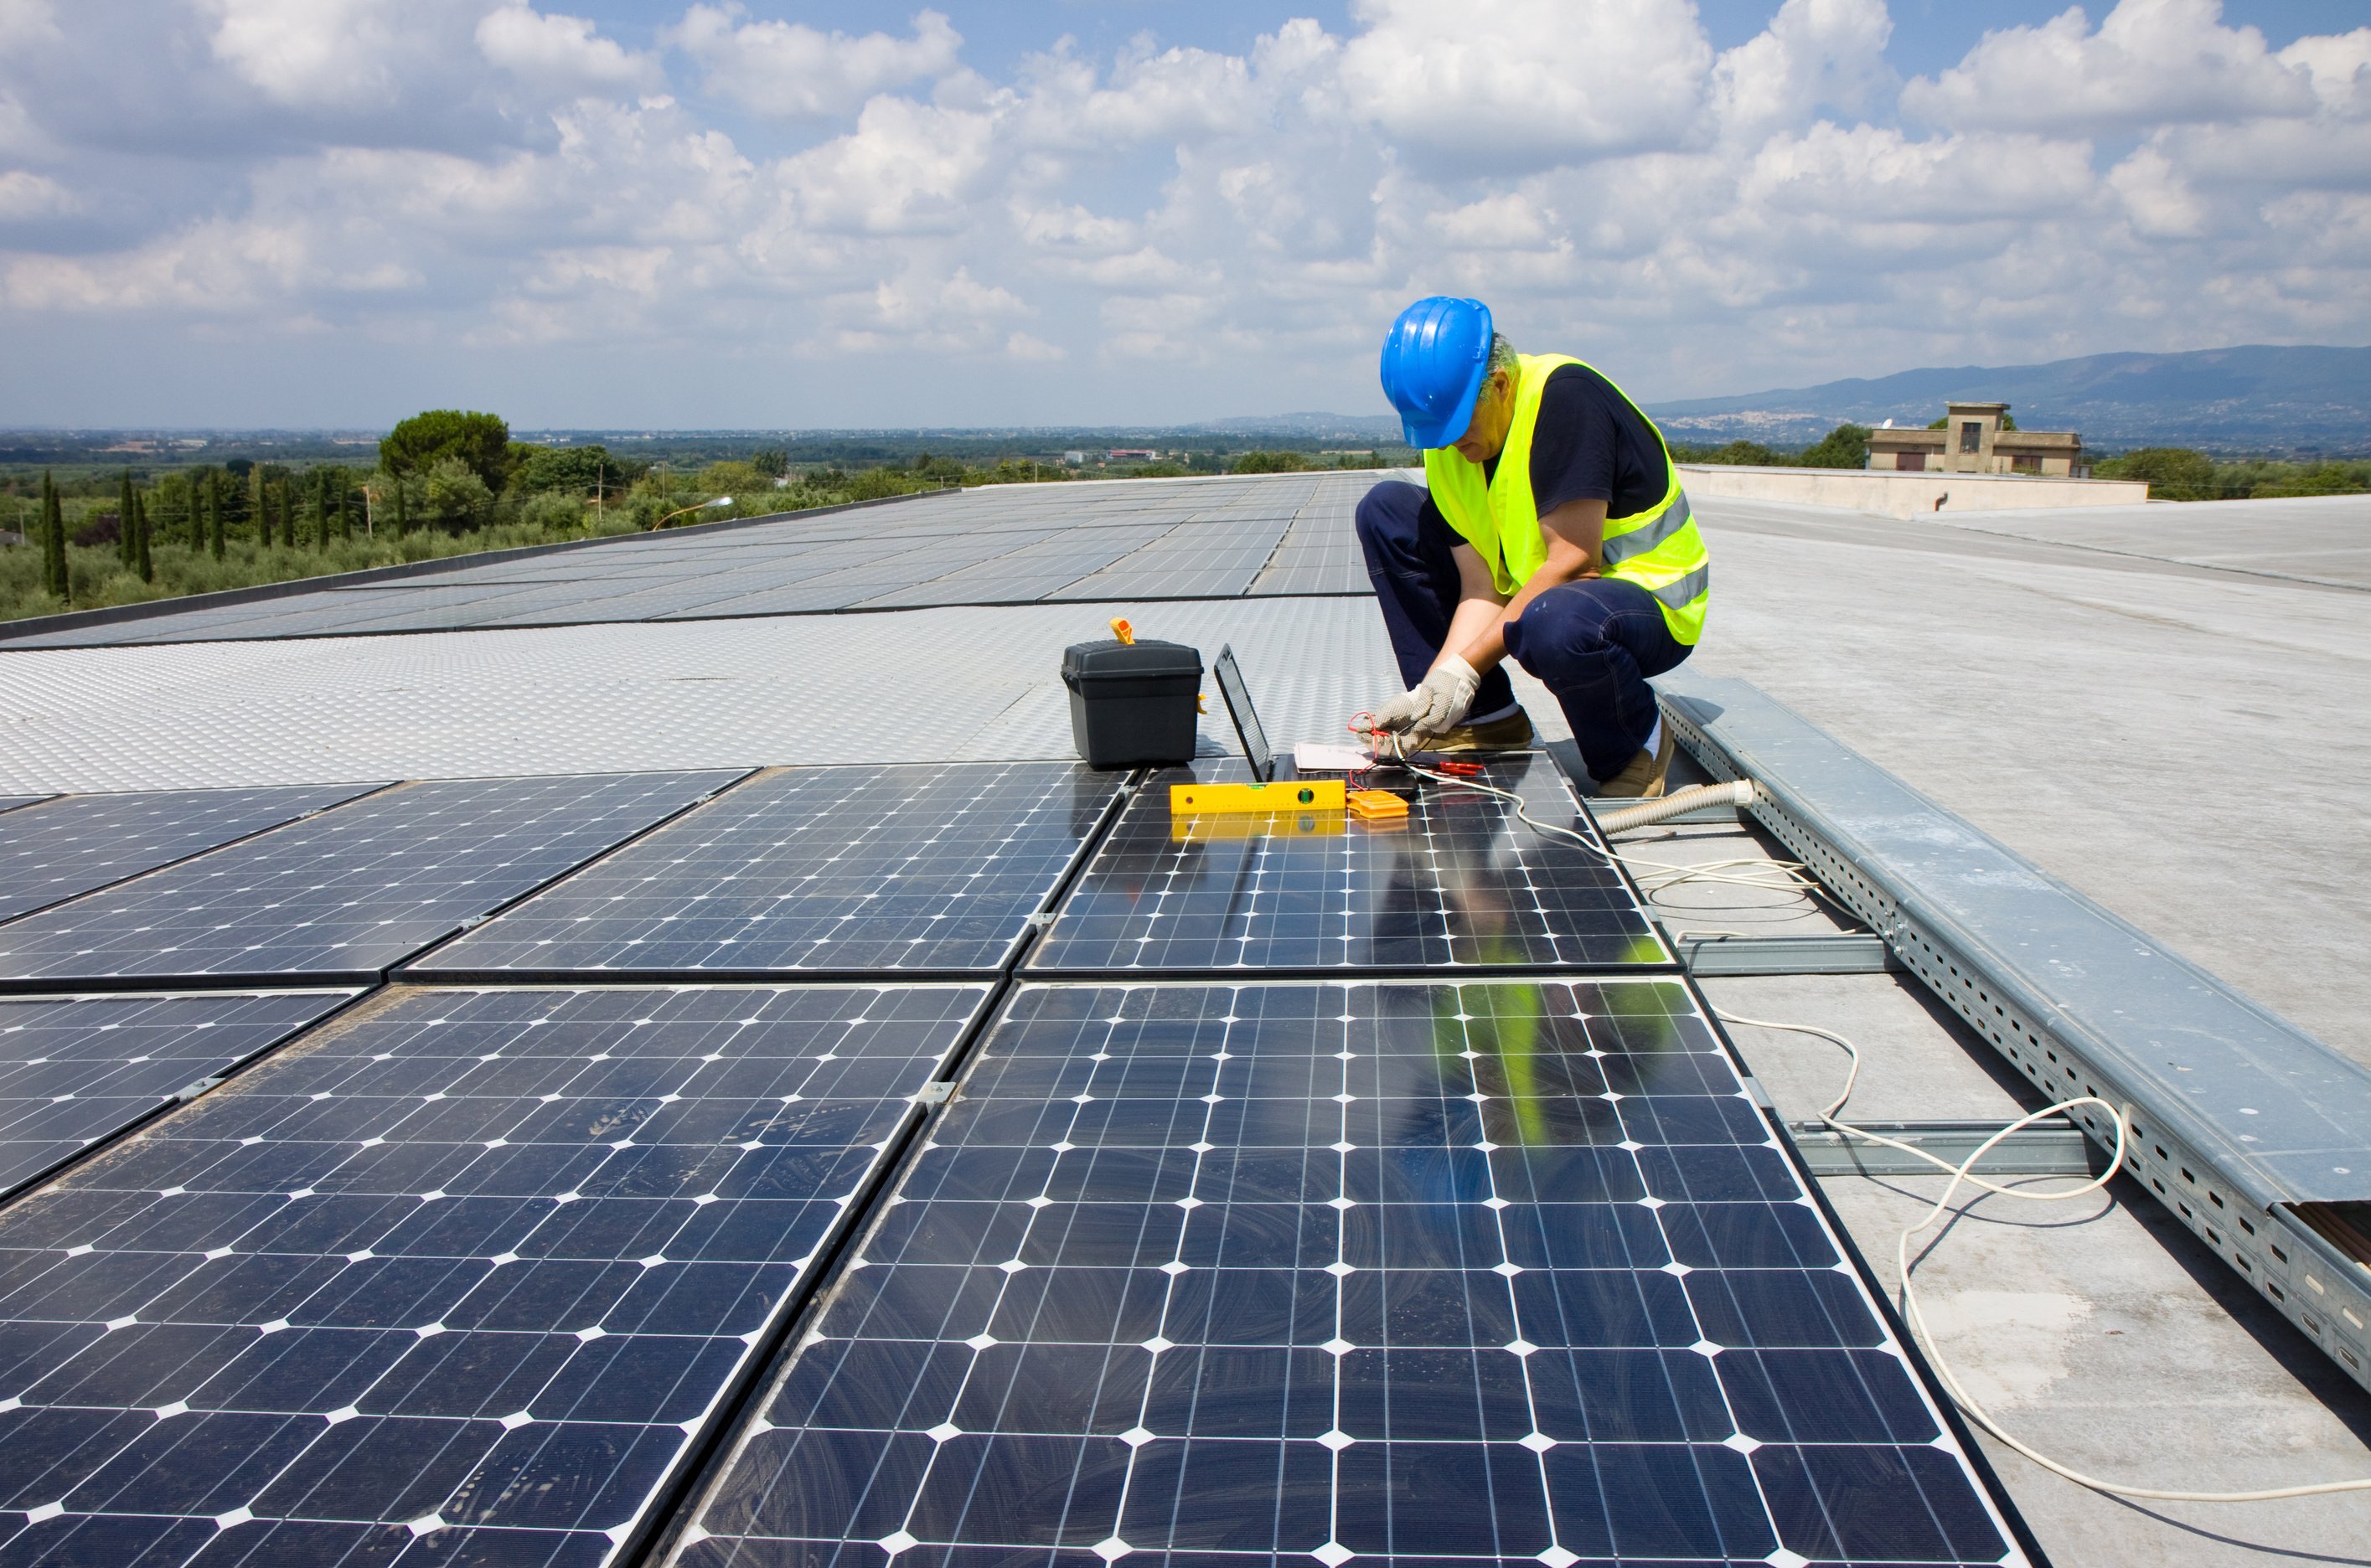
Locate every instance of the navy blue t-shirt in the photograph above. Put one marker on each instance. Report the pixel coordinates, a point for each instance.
(1589, 444)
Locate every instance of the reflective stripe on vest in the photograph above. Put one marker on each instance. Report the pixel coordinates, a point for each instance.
(1687, 590)
(1638, 541)
(1658, 549)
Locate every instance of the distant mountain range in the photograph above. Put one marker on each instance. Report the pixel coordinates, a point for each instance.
(2258, 399)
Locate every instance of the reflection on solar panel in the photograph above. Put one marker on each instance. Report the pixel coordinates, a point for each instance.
(931, 868)
(1493, 1272)
(86, 841)
(350, 892)
(466, 1276)
(1461, 883)
(75, 1070)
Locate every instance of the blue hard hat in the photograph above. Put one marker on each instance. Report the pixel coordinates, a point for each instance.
(1434, 361)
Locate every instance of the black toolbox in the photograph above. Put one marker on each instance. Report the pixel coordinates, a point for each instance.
(1133, 704)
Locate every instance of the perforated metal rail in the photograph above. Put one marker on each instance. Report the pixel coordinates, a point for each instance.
(2178, 1052)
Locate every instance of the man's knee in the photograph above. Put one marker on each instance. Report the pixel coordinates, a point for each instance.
(1560, 634)
(1390, 516)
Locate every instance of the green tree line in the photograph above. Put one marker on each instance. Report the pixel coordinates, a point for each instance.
(2179, 473)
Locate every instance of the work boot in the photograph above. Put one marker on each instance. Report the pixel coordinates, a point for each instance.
(1643, 779)
(1511, 733)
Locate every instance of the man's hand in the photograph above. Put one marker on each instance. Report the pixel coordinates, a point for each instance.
(1435, 706)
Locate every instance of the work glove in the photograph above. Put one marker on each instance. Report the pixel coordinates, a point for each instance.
(1436, 704)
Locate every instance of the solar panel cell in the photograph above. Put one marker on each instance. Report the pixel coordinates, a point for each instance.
(345, 895)
(1462, 884)
(1213, 1270)
(463, 1277)
(82, 842)
(77, 1070)
(926, 868)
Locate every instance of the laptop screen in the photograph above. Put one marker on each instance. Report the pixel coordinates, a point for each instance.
(1239, 707)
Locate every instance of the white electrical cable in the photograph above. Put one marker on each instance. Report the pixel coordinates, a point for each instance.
(1791, 874)
(1963, 1173)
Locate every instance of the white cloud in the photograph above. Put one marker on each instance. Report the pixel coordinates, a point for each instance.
(559, 50)
(1815, 52)
(1513, 82)
(2151, 61)
(24, 194)
(323, 52)
(24, 22)
(906, 167)
(794, 71)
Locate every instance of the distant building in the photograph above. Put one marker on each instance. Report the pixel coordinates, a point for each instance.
(1973, 442)
(1138, 453)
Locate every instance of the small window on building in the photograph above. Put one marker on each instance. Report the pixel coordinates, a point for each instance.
(2023, 464)
(1910, 462)
(1972, 437)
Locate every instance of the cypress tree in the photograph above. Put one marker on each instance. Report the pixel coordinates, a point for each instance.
(141, 559)
(215, 542)
(126, 548)
(345, 507)
(402, 506)
(53, 541)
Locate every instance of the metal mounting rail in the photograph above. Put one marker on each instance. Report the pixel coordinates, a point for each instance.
(2055, 1147)
(2257, 1136)
(1833, 953)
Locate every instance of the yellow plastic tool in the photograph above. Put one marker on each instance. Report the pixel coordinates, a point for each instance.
(1377, 805)
(1286, 795)
(1125, 632)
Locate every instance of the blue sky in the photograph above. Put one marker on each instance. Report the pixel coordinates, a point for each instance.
(769, 213)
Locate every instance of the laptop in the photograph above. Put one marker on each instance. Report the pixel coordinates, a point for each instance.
(1238, 698)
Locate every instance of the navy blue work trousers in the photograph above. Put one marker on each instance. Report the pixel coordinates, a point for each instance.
(1592, 643)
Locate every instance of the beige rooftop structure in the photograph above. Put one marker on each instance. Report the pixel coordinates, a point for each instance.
(1972, 441)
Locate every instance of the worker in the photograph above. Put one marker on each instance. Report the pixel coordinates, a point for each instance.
(1551, 528)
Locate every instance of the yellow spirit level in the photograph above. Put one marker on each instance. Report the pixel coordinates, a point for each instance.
(1290, 795)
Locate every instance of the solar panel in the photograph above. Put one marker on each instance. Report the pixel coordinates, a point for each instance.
(1505, 1271)
(468, 1276)
(1460, 882)
(343, 895)
(932, 868)
(74, 845)
(10, 803)
(77, 1070)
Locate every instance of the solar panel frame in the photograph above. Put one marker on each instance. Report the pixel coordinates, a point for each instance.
(10, 803)
(342, 897)
(77, 843)
(810, 872)
(78, 1071)
(496, 1329)
(1314, 893)
(1515, 1302)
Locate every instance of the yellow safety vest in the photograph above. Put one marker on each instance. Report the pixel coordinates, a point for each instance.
(1660, 549)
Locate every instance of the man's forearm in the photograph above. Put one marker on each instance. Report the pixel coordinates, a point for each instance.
(1475, 633)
